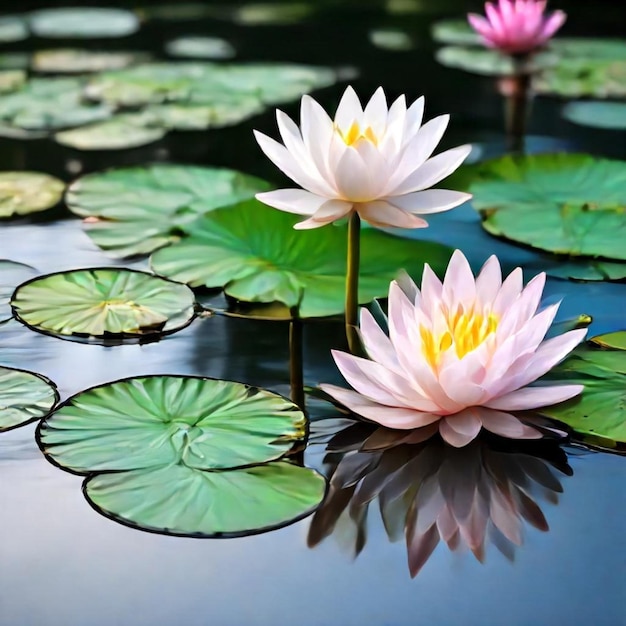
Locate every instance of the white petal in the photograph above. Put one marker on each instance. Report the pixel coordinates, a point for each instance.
(375, 113)
(489, 281)
(349, 110)
(459, 430)
(414, 116)
(534, 397)
(292, 200)
(377, 345)
(459, 287)
(354, 180)
(506, 425)
(509, 292)
(328, 212)
(317, 132)
(430, 201)
(383, 214)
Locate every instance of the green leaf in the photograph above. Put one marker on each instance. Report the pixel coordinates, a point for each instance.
(156, 421)
(584, 269)
(10, 80)
(455, 31)
(200, 48)
(610, 115)
(254, 254)
(24, 397)
(184, 501)
(11, 275)
(103, 303)
(136, 210)
(83, 23)
(274, 13)
(23, 193)
(599, 49)
(77, 61)
(13, 28)
(578, 78)
(614, 341)
(390, 39)
(571, 204)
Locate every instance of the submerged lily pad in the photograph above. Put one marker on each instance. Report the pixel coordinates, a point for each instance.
(200, 48)
(77, 61)
(183, 447)
(23, 193)
(12, 274)
(610, 115)
(103, 303)
(613, 341)
(255, 255)
(83, 23)
(24, 397)
(570, 204)
(455, 31)
(139, 209)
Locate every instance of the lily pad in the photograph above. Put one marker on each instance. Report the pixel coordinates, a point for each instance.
(255, 255)
(50, 104)
(77, 61)
(83, 23)
(589, 48)
(103, 303)
(139, 209)
(456, 32)
(584, 269)
(600, 411)
(613, 341)
(13, 28)
(11, 275)
(200, 48)
(23, 193)
(24, 397)
(15, 61)
(208, 504)
(272, 13)
(609, 115)
(390, 39)
(576, 78)
(10, 80)
(571, 204)
(120, 132)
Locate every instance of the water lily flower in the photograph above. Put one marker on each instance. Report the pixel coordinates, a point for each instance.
(516, 26)
(455, 349)
(375, 161)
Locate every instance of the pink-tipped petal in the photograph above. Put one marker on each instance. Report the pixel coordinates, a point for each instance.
(534, 397)
(383, 214)
(292, 200)
(430, 201)
(456, 434)
(328, 212)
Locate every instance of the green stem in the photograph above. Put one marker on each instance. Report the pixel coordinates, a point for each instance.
(296, 364)
(352, 283)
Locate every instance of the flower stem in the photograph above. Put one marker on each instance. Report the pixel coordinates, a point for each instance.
(296, 364)
(352, 283)
(517, 103)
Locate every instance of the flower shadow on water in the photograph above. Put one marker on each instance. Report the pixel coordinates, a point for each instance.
(430, 492)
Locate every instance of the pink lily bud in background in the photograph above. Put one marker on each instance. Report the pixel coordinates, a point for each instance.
(516, 26)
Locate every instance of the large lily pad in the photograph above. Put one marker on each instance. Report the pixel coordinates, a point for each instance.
(455, 31)
(614, 341)
(200, 48)
(23, 193)
(103, 303)
(184, 501)
(272, 13)
(11, 275)
(253, 252)
(139, 209)
(390, 39)
(24, 397)
(13, 28)
(77, 61)
(10, 80)
(609, 115)
(571, 204)
(83, 23)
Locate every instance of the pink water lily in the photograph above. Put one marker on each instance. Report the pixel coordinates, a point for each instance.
(456, 349)
(375, 160)
(516, 26)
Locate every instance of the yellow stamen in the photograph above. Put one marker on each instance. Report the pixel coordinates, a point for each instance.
(354, 134)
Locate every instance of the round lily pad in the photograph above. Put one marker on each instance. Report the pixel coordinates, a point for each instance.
(120, 132)
(77, 61)
(591, 48)
(570, 204)
(576, 78)
(200, 48)
(11, 275)
(103, 303)
(24, 397)
(609, 115)
(14, 61)
(13, 28)
(390, 39)
(456, 32)
(613, 341)
(23, 193)
(254, 254)
(584, 269)
(83, 23)
(139, 209)
(184, 501)
(10, 80)
(272, 13)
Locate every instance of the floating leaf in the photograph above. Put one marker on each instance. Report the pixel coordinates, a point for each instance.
(139, 209)
(103, 303)
(50, 104)
(83, 23)
(11, 275)
(24, 397)
(13, 28)
(77, 61)
(564, 203)
(14, 61)
(272, 13)
(200, 48)
(10, 80)
(613, 341)
(584, 78)
(23, 193)
(584, 269)
(599, 49)
(610, 115)
(253, 252)
(390, 39)
(121, 132)
(455, 31)
(184, 501)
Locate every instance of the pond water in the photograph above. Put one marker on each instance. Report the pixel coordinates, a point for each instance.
(63, 564)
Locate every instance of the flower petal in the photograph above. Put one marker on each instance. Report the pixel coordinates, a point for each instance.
(349, 109)
(430, 201)
(382, 214)
(506, 425)
(459, 430)
(534, 397)
(328, 212)
(292, 200)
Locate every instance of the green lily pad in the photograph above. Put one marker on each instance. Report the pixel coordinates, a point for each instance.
(613, 341)
(120, 132)
(83, 23)
(590, 48)
(12, 274)
(610, 115)
(584, 269)
(23, 193)
(184, 501)
(155, 421)
(139, 209)
(456, 32)
(571, 204)
(200, 48)
(24, 397)
(50, 104)
(103, 303)
(181, 11)
(10, 80)
(391, 39)
(77, 61)
(13, 28)
(600, 411)
(270, 13)
(15, 61)
(255, 255)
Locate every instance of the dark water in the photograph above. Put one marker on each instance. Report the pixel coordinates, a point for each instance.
(61, 564)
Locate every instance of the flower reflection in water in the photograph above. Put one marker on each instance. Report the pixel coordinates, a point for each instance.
(429, 491)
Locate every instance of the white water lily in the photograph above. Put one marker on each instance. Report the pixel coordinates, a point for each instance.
(375, 161)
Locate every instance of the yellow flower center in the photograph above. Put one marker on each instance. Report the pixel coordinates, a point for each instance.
(466, 331)
(355, 133)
